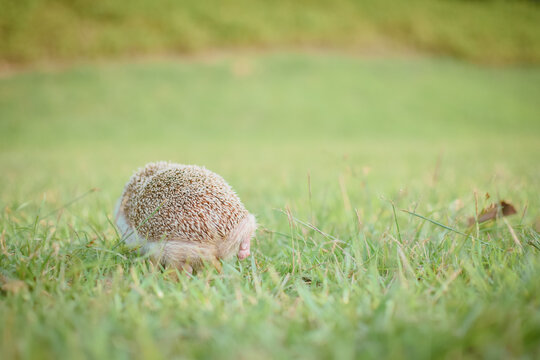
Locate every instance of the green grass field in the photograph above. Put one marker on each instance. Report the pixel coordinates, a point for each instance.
(483, 31)
(322, 148)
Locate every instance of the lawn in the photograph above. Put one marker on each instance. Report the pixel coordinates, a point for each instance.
(327, 150)
(487, 31)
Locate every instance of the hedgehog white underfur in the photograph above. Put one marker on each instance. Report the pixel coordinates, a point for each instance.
(182, 215)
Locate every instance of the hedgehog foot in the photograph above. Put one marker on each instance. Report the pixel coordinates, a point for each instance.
(183, 255)
(244, 249)
(186, 268)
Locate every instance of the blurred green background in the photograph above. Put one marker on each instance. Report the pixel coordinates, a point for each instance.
(489, 31)
(260, 119)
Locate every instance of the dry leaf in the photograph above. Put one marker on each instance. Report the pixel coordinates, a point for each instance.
(492, 212)
(508, 209)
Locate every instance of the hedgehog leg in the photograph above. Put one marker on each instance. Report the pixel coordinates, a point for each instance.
(238, 241)
(188, 269)
(182, 267)
(183, 255)
(246, 234)
(244, 248)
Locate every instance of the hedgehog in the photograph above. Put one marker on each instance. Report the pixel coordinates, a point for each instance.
(183, 216)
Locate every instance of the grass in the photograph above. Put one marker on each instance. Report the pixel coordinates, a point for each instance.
(492, 31)
(327, 151)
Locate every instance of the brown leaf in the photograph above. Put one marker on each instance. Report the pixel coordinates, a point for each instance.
(492, 212)
(507, 208)
(488, 213)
